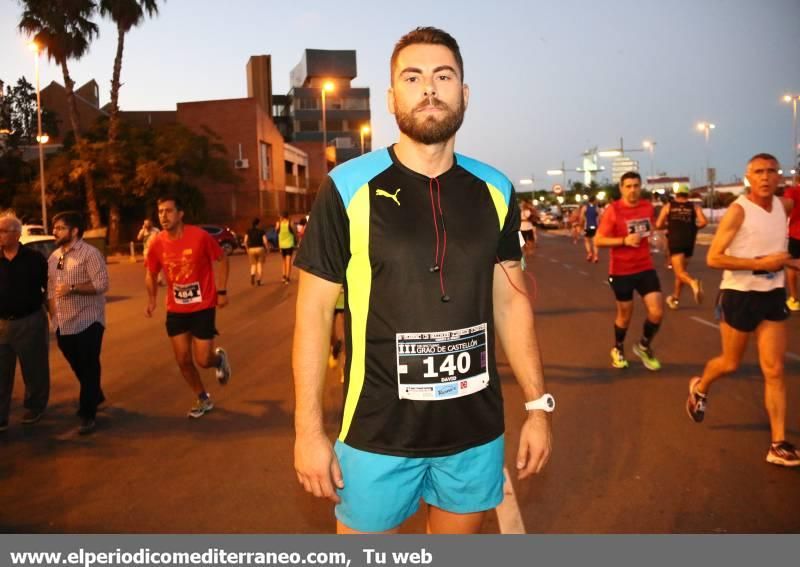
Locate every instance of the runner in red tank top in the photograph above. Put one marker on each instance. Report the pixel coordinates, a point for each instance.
(625, 228)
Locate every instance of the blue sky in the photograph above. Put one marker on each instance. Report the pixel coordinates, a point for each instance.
(548, 79)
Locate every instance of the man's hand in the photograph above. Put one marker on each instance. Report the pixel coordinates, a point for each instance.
(317, 466)
(632, 240)
(62, 289)
(222, 301)
(773, 262)
(535, 444)
(151, 306)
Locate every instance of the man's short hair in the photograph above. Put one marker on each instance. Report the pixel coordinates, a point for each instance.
(11, 218)
(73, 219)
(629, 175)
(763, 156)
(429, 36)
(173, 198)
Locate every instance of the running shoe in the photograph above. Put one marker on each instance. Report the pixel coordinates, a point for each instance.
(618, 358)
(201, 407)
(793, 304)
(87, 426)
(223, 371)
(784, 454)
(595, 258)
(31, 416)
(672, 302)
(697, 291)
(648, 357)
(696, 404)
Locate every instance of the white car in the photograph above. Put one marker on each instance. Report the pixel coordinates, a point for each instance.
(34, 236)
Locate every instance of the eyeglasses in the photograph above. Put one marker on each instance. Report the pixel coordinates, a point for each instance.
(60, 265)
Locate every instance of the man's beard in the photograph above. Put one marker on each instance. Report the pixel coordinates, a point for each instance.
(430, 130)
(64, 240)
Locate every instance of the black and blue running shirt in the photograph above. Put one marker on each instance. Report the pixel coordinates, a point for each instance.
(421, 378)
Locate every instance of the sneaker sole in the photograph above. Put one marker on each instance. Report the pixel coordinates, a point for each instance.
(780, 461)
(32, 421)
(692, 383)
(226, 367)
(199, 415)
(647, 364)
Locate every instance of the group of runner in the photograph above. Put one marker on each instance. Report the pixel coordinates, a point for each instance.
(423, 410)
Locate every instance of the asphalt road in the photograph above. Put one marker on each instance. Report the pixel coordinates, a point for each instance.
(626, 457)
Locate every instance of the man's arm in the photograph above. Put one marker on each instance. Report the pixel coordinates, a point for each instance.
(221, 275)
(151, 284)
(604, 238)
(661, 223)
(314, 460)
(788, 204)
(700, 220)
(98, 278)
(728, 227)
(514, 323)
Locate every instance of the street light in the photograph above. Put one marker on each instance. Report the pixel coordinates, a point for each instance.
(40, 139)
(793, 98)
(327, 86)
(364, 131)
(563, 173)
(650, 146)
(706, 128)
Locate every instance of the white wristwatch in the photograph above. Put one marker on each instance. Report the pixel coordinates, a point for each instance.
(545, 403)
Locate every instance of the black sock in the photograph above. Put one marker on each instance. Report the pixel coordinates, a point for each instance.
(650, 330)
(204, 396)
(619, 337)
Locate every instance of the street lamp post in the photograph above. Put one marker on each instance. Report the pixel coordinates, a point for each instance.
(326, 87)
(650, 146)
(41, 140)
(364, 131)
(793, 98)
(706, 128)
(562, 172)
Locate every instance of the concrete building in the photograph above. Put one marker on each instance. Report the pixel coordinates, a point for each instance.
(299, 113)
(87, 98)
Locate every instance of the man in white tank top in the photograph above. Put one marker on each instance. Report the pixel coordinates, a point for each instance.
(750, 245)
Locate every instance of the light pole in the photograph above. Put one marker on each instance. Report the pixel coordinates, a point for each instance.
(326, 87)
(563, 173)
(41, 140)
(650, 146)
(793, 98)
(364, 131)
(706, 128)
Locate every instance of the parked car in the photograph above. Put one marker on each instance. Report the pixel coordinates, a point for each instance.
(547, 220)
(224, 236)
(43, 244)
(32, 230)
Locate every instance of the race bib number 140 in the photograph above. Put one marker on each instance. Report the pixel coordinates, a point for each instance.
(442, 365)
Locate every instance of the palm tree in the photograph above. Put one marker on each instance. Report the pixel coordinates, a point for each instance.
(126, 14)
(64, 30)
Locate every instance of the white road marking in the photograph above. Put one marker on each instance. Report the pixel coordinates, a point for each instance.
(704, 322)
(581, 272)
(567, 266)
(509, 516)
(789, 355)
(554, 261)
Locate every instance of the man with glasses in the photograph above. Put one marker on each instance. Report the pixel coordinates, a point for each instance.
(77, 283)
(23, 323)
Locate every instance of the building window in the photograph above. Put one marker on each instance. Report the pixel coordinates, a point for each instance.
(308, 103)
(335, 125)
(356, 104)
(307, 126)
(265, 159)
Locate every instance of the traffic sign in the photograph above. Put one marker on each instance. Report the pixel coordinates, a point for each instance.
(558, 189)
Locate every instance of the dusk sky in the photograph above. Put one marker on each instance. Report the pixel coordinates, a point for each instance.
(548, 79)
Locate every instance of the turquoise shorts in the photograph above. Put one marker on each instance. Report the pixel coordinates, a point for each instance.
(382, 491)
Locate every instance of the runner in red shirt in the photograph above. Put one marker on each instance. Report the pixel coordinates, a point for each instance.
(625, 228)
(186, 255)
(793, 194)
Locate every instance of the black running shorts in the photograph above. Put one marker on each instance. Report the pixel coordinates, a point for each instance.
(527, 235)
(794, 247)
(199, 324)
(687, 251)
(643, 282)
(590, 231)
(745, 310)
(287, 251)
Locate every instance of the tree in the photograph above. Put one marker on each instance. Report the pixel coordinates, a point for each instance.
(126, 14)
(64, 30)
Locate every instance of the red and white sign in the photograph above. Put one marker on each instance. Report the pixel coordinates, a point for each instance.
(558, 189)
